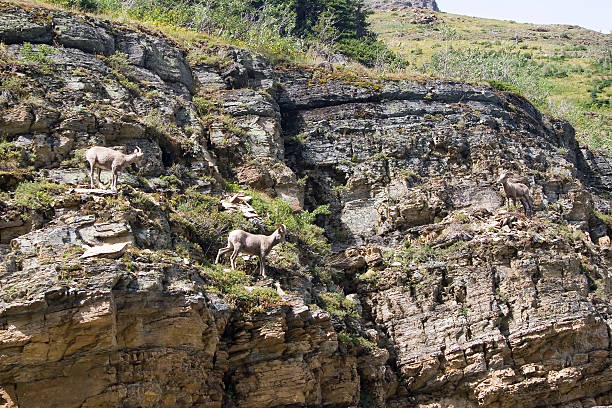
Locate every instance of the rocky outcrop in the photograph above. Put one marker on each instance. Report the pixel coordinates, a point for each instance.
(415, 152)
(435, 295)
(103, 336)
(397, 158)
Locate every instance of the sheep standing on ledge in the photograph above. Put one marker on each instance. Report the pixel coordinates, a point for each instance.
(251, 244)
(104, 158)
(517, 190)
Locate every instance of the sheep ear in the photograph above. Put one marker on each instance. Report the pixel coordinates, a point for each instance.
(138, 149)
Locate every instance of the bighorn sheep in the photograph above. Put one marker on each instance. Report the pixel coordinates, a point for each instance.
(104, 158)
(517, 190)
(251, 244)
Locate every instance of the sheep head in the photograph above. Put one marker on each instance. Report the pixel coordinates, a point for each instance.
(281, 231)
(503, 177)
(139, 154)
(135, 158)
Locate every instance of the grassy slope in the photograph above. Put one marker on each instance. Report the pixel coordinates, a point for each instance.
(574, 52)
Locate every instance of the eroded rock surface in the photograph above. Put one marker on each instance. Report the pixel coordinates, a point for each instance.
(435, 294)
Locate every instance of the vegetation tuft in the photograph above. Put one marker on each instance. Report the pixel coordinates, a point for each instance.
(10, 155)
(300, 225)
(354, 340)
(37, 196)
(337, 305)
(232, 285)
(201, 214)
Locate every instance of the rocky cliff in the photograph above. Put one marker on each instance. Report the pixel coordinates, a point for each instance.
(433, 293)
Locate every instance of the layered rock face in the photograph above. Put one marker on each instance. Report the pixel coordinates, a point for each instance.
(454, 300)
(415, 152)
(485, 294)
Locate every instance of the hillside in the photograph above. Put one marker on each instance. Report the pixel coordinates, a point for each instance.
(564, 70)
(405, 280)
(400, 4)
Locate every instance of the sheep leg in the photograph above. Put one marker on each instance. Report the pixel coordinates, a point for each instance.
(91, 170)
(262, 267)
(234, 255)
(525, 205)
(221, 252)
(99, 173)
(530, 203)
(114, 182)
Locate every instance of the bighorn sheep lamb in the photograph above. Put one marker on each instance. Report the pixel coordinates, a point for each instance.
(104, 158)
(251, 244)
(517, 190)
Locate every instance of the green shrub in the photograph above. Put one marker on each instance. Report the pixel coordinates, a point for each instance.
(119, 62)
(205, 106)
(287, 256)
(504, 86)
(231, 284)
(300, 224)
(77, 159)
(38, 55)
(36, 196)
(504, 69)
(171, 182)
(337, 305)
(15, 85)
(225, 280)
(121, 68)
(10, 155)
(201, 214)
(597, 87)
(354, 340)
(368, 51)
(86, 5)
(279, 29)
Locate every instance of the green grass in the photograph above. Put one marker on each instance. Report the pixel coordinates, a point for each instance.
(10, 155)
(38, 57)
(36, 196)
(231, 284)
(300, 224)
(564, 71)
(337, 305)
(355, 340)
(202, 216)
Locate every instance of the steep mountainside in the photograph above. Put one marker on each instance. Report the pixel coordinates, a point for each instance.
(433, 294)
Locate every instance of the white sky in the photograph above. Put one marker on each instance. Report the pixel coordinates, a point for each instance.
(593, 14)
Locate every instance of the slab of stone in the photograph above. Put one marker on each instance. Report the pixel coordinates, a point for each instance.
(106, 251)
